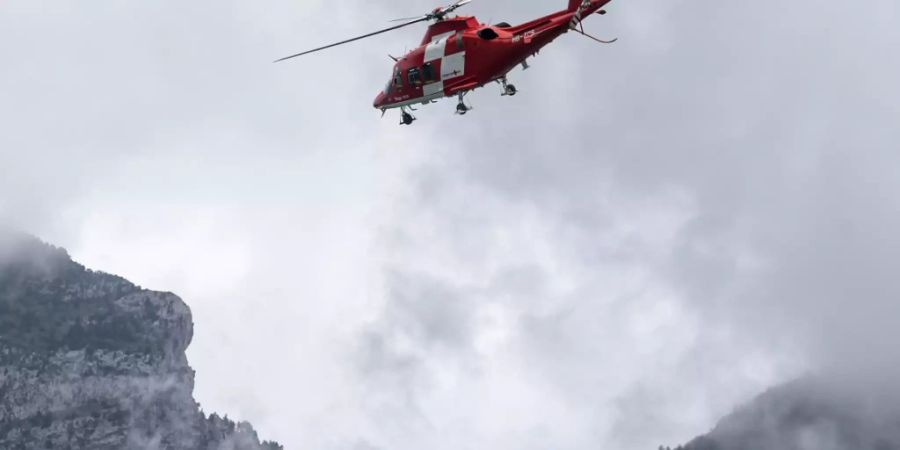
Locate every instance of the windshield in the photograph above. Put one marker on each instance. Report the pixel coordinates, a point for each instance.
(394, 81)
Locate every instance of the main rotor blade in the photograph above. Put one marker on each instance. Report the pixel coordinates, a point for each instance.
(408, 18)
(353, 39)
(454, 6)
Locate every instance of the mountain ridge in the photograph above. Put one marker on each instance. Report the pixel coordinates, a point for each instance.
(815, 412)
(90, 360)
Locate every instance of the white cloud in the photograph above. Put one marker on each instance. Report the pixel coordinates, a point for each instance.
(649, 233)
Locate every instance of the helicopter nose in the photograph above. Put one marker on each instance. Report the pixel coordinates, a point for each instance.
(379, 100)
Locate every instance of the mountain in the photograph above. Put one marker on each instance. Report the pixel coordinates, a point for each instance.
(858, 412)
(88, 360)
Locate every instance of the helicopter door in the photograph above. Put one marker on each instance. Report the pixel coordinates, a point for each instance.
(412, 75)
(453, 66)
(433, 84)
(428, 73)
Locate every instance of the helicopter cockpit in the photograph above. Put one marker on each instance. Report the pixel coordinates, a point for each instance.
(394, 82)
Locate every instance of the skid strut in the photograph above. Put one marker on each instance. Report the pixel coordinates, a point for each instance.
(461, 107)
(508, 89)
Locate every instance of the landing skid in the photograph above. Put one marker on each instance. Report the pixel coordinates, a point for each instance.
(407, 118)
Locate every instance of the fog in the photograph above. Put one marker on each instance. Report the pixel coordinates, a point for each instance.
(649, 234)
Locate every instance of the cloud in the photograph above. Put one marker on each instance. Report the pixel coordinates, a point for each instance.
(646, 235)
(699, 212)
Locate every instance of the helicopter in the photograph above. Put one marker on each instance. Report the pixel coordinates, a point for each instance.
(459, 54)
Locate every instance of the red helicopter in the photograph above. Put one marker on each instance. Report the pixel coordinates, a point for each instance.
(460, 54)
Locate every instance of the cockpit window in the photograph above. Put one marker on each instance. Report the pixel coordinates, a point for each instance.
(395, 82)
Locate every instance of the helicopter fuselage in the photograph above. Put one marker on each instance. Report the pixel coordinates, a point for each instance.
(460, 54)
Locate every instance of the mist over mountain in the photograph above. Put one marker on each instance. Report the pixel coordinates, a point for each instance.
(88, 360)
(811, 413)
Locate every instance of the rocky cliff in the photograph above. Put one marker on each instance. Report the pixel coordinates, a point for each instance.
(90, 361)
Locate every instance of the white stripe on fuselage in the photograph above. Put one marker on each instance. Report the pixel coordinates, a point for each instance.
(436, 48)
(452, 66)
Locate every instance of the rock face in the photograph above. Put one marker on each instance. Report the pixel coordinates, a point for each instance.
(813, 413)
(91, 361)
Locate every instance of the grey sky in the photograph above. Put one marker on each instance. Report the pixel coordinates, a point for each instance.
(648, 234)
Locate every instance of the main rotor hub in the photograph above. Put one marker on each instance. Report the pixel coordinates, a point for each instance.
(438, 14)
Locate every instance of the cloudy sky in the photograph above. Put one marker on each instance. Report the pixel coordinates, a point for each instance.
(649, 234)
